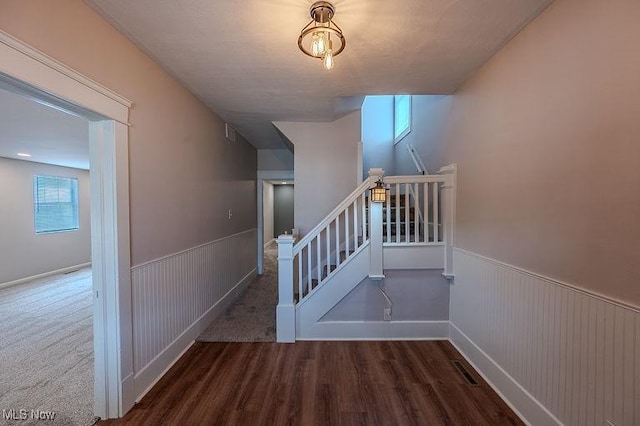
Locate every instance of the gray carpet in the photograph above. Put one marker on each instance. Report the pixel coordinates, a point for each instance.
(252, 317)
(46, 355)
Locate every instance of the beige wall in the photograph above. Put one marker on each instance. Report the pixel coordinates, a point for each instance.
(546, 138)
(184, 175)
(326, 166)
(25, 254)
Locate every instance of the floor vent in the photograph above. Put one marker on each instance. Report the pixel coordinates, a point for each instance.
(464, 372)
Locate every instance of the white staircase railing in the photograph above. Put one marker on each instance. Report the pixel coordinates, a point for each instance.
(413, 211)
(340, 234)
(413, 214)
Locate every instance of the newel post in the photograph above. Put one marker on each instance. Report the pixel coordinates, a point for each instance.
(376, 263)
(286, 312)
(449, 217)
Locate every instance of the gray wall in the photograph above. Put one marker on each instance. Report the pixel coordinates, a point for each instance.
(267, 212)
(417, 295)
(377, 134)
(283, 209)
(275, 159)
(23, 253)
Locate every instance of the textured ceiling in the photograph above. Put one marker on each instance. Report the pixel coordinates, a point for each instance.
(241, 56)
(49, 135)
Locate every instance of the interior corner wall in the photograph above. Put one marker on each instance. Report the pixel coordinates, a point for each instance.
(377, 134)
(27, 254)
(267, 212)
(326, 162)
(545, 300)
(429, 116)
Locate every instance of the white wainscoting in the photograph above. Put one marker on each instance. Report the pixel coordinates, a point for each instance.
(177, 296)
(558, 354)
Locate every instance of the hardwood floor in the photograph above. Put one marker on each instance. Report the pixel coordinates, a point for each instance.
(319, 383)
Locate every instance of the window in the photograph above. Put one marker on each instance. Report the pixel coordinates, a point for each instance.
(401, 117)
(55, 204)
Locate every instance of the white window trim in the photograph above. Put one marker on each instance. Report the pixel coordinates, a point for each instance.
(406, 131)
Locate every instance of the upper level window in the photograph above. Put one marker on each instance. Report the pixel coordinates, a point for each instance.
(401, 117)
(55, 204)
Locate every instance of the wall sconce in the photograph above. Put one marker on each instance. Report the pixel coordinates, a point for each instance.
(378, 192)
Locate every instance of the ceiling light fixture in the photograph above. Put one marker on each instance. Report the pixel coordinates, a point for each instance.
(23, 154)
(322, 38)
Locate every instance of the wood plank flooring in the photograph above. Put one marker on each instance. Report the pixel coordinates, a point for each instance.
(319, 383)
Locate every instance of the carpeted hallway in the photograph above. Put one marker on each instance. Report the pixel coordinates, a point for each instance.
(252, 317)
(46, 328)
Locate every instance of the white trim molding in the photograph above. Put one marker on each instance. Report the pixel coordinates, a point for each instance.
(44, 275)
(30, 64)
(378, 330)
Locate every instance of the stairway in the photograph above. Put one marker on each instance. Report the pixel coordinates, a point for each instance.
(402, 223)
(352, 243)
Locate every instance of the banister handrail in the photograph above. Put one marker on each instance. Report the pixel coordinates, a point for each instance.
(366, 184)
(415, 179)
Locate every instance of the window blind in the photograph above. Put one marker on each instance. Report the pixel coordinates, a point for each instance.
(402, 116)
(55, 204)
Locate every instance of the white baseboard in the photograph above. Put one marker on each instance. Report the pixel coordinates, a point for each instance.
(44, 275)
(378, 330)
(158, 367)
(128, 397)
(268, 243)
(520, 401)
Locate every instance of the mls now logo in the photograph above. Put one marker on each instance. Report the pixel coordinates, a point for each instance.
(15, 414)
(28, 415)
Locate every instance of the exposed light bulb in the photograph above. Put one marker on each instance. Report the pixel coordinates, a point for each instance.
(327, 60)
(318, 46)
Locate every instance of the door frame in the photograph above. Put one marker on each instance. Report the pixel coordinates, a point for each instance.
(50, 82)
(262, 176)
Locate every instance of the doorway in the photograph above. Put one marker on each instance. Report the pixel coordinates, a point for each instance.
(35, 75)
(46, 314)
(267, 176)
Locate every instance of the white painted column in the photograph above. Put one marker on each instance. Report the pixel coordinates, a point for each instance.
(448, 219)
(114, 392)
(286, 312)
(376, 262)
